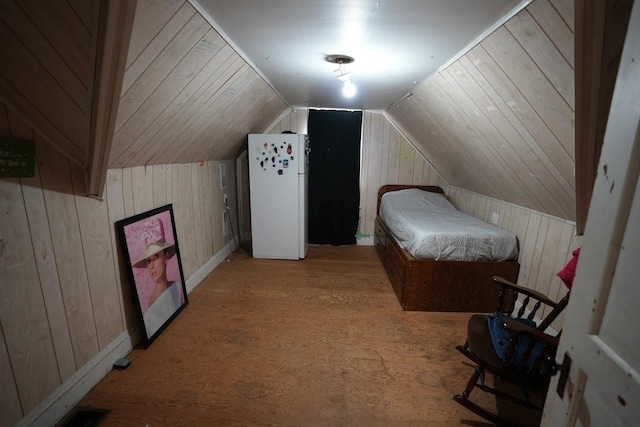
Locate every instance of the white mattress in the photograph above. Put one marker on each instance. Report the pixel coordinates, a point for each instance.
(429, 227)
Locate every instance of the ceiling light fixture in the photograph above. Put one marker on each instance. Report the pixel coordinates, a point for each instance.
(342, 74)
(349, 90)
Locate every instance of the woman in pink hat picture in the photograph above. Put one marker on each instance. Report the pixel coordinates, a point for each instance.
(155, 269)
(166, 296)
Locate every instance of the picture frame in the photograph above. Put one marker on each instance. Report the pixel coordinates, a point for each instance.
(151, 257)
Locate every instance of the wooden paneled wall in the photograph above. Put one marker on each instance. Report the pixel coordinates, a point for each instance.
(500, 120)
(46, 71)
(187, 95)
(388, 158)
(546, 242)
(601, 28)
(63, 297)
(296, 120)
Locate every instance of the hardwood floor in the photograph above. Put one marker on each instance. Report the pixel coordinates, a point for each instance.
(319, 342)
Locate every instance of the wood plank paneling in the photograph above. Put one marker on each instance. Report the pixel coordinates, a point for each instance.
(93, 219)
(601, 28)
(127, 192)
(533, 85)
(545, 242)
(457, 134)
(184, 218)
(155, 47)
(115, 207)
(135, 139)
(9, 401)
(566, 10)
(387, 158)
(206, 209)
(204, 58)
(373, 124)
(548, 257)
(26, 331)
(28, 77)
(47, 272)
(217, 109)
(67, 245)
(498, 112)
(25, 29)
(151, 18)
(554, 27)
(159, 185)
(59, 24)
(43, 253)
(162, 65)
(142, 181)
(47, 58)
(432, 126)
(500, 120)
(85, 11)
(520, 116)
(196, 177)
(544, 53)
(216, 218)
(187, 96)
(219, 237)
(232, 183)
(504, 154)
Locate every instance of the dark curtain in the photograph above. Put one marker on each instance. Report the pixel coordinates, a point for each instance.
(334, 176)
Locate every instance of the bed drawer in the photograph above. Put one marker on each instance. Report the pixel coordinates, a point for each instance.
(396, 283)
(398, 261)
(380, 234)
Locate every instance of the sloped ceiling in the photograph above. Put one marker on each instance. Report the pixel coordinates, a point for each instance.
(187, 95)
(46, 57)
(500, 121)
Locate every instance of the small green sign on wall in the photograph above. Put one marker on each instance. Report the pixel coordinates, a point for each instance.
(17, 158)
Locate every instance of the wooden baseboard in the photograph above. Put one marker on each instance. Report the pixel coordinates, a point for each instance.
(365, 241)
(57, 404)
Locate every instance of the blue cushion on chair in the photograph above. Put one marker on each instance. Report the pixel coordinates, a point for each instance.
(500, 339)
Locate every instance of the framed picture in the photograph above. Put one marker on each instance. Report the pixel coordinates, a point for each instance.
(152, 258)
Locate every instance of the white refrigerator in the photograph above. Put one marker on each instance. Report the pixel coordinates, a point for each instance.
(278, 181)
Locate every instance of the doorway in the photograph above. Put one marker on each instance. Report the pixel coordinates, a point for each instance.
(334, 176)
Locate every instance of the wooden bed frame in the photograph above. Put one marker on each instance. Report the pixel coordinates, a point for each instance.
(429, 285)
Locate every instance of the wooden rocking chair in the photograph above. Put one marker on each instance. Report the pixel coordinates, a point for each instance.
(522, 362)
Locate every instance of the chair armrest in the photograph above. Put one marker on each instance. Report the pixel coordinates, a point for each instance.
(512, 325)
(526, 291)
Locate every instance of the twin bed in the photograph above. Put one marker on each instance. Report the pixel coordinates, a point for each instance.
(438, 258)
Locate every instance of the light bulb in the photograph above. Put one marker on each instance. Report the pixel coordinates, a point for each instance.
(349, 90)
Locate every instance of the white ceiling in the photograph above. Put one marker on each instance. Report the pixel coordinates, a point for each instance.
(396, 43)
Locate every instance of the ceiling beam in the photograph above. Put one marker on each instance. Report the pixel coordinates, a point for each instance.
(110, 46)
